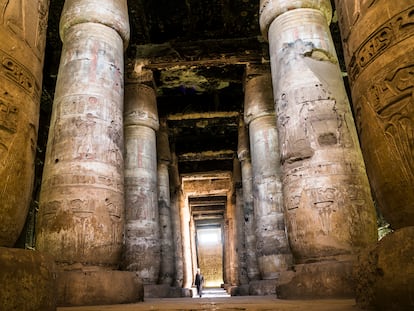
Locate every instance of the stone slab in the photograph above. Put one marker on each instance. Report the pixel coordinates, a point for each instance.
(27, 280)
(322, 280)
(86, 288)
(385, 273)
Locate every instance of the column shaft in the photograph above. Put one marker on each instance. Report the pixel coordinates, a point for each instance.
(378, 48)
(176, 199)
(330, 213)
(164, 206)
(21, 55)
(249, 222)
(272, 248)
(142, 236)
(82, 197)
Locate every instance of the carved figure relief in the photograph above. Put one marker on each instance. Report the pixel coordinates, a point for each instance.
(392, 99)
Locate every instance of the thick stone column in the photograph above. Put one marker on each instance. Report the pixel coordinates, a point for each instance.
(81, 214)
(142, 233)
(176, 199)
(378, 41)
(24, 275)
(330, 214)
(378, 47)
(243, 278)
(243, 151)
(164, 206)
(22, 44)
(272, 248)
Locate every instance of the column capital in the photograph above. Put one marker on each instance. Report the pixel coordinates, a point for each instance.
(258, 93)
(271, 9)
(140, 106)
(112, 13)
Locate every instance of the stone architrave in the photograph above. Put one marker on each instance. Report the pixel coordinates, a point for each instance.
(164, 206)
(22, 43)
(243, 152)
(142, 236)
(378, 41)
(329, 210)
(272, 247)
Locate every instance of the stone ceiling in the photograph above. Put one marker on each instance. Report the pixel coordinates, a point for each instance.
(198, 50)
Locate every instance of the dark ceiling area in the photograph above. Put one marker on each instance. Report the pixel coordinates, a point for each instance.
(197, 50)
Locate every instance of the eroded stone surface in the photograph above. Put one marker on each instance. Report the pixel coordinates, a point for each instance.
(27, 280)
(21, 58)
(378, 44)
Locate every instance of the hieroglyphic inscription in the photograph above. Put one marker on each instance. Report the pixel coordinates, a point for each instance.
(397, 29)
(16, 72)
(392, 99)
(8, 116)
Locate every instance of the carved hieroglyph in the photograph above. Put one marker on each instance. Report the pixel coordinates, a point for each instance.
(22, 42)
(142, 236)
(326, 192)
(81, 213)
(379, 47)
(272, 248)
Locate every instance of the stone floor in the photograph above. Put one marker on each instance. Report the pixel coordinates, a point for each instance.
(213, 300)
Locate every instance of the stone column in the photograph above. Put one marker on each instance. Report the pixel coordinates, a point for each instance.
(272, 248)
(240, 228)
(378, 42)
(176, 198)
(81, 213)
(378, 48)
(24, 275)
(330, 213)
(164, 205)
(186, 242)
(142, 233)
(243, 151)
(21, 55)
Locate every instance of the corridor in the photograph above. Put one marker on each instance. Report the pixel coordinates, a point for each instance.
(215, 299)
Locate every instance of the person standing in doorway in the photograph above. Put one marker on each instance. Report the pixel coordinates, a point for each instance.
(199, 280)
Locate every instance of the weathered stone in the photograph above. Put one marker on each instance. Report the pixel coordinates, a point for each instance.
(164, 206)
(142, 233)
(384, 273)
(317, 281)
(378, 46)
(21, 58)
(262, 288)
(272, 248)
(82, 197)
(327, 197)
(243, 152)
(176, 199)
(27, 280)
(98, 287)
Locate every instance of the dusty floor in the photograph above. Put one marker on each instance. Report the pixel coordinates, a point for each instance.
(257, 303)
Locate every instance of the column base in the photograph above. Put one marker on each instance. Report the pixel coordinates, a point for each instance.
(165, 291)
(262, 287)
(27, 280)
(329, 279)
(98, 287)
(385, 273)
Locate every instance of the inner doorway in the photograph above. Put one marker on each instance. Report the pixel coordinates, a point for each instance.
(210, 255)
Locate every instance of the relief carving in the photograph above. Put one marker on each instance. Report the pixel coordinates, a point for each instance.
(17, 73)
(392, 100)
(397, 29)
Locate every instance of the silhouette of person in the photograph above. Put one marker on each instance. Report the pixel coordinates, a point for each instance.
(199, 280)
